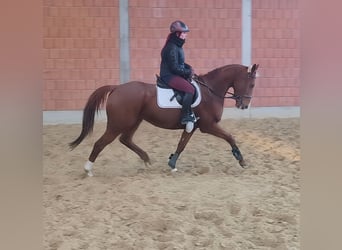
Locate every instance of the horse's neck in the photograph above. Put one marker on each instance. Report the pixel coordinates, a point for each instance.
(221, 79)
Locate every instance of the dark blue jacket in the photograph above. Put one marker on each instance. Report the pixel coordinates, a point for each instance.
(172, 60)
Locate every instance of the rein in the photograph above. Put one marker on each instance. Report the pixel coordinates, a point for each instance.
(232, 95)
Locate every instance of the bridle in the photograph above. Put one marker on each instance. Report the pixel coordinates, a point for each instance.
(233, 96)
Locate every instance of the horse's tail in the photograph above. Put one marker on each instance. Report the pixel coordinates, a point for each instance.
(94, 103)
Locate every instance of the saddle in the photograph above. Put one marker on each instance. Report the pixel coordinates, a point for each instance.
(168, 97)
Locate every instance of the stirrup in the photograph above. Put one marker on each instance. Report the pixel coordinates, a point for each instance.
(189, 118)
(189, 127)
(189, 122)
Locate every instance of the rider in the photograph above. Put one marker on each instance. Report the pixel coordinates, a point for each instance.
(174, 71)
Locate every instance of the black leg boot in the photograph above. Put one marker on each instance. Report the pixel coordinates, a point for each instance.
(187, 115)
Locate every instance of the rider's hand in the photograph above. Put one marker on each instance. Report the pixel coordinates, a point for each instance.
(192, 72)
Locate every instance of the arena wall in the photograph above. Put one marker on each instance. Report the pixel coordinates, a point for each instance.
(82, 45)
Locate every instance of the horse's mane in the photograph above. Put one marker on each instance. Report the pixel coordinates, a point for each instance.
(216, 71)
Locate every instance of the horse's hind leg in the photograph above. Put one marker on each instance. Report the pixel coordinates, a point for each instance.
(99, 145)
(126, 139)
(181, 146)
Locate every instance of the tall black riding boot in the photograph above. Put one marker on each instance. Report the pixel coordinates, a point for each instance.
(187, 115)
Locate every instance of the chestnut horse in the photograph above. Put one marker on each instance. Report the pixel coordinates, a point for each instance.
(127, 105)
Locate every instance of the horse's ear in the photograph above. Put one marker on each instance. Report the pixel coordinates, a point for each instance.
(254, 68)
(249, 69)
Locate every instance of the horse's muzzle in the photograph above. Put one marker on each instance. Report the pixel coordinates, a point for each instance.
(242, 106)
(242, 102)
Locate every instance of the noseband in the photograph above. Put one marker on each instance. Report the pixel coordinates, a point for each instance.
(236, 97)
(233, 96)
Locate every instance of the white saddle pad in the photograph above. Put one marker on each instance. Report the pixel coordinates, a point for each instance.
(164, 96)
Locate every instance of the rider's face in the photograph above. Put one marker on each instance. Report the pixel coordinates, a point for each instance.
(183, 35)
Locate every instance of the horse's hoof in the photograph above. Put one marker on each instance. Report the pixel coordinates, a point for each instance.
(147, 163)
(88, 167)
(243, 163)
(89, 173)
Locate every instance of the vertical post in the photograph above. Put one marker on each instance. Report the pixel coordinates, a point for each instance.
(246, 30)
(246, 37)
(124, 41)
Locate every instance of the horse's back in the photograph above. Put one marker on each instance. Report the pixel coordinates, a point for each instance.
(130, 97)
(132, 91)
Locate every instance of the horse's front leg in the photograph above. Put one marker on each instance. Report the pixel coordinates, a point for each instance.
(217, 131)
(181, 146)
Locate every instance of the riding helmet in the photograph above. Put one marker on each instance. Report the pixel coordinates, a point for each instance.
(178, 26)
